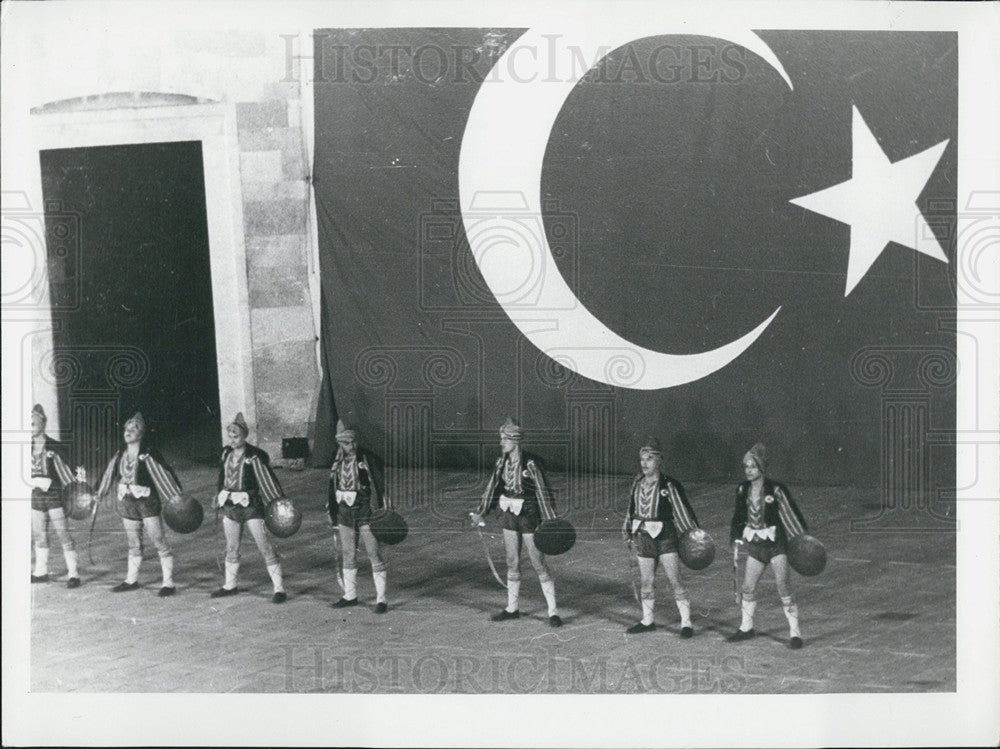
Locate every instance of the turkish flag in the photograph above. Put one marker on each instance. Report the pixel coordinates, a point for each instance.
(666, 191)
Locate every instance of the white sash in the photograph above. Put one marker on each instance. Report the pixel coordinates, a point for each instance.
(137, 491)
(652, 527)
(766, 533)
(41, 482)
(513, 505)
(347, 498)
(237, 498)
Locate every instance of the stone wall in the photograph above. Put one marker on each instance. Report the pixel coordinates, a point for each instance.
(274, 175)
(247, 71)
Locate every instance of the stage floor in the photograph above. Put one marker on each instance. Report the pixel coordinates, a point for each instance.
(880, 618)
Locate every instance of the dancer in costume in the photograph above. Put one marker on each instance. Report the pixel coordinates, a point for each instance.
(764, 519)
(658, 513)
(49, 474)
(518, 487)
(138, 477)
(246, 486)
(355, 494)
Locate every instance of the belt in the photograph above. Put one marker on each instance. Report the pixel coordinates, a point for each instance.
(237, 498)
(751, 534)
(135, 490)
(652, 527)
(510, 504)
(347, 498)
(41, 482)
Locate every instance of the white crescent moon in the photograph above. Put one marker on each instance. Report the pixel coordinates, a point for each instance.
(499, 174)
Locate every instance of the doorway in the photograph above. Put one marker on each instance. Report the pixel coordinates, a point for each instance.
(140, 334)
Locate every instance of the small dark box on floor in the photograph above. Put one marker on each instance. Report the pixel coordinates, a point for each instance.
(294, 452)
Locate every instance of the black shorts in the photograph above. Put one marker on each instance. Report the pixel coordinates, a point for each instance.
(652, 548)
(240, 514)
(764, 551)
(360, 513)
(527, 522)
(139, 508)
(45, 501)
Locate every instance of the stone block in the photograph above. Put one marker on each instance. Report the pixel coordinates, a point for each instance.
(272, 325)
(261, 166)
(270, 217)
(264, 191)
(280, 286)
(285, 366)
(278, 250)
(256, 115)
(289, 90)
(271, 139)
(285, 413)
(293, 162)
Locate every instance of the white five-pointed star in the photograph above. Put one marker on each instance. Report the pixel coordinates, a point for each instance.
(879, 202)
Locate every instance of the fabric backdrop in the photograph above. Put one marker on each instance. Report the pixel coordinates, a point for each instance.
(668, 213)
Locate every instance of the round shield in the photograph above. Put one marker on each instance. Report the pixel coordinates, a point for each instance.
(283, 518)
(555, 537)
(389, 527)
(183, 514)
(696, 549)
(78, 499)
(807, 555)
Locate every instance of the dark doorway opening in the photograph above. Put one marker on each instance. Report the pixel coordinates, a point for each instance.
(131, 288)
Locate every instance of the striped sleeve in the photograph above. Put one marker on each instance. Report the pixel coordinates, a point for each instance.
(65, 474)
(166, 484)
(266, 480)
(684, 519)
(107, 478)
(545, 500)
(491, 487)
(791, 518)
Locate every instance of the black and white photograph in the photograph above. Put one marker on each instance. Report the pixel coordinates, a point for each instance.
(601, 374)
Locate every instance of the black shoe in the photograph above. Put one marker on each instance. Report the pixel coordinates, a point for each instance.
(279, 597)
(73, 582)
(122, 587)
(687, 633)
(639, 628)
(795, 643)
(555, 621)
(166, 591)
(224, 592)
(505, 615)
(381, 607)
(343, 603)
(741, 635)
(40, 578)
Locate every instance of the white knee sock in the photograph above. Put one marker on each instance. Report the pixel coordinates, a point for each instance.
(549, 591)
(380, 580)
(684, 606)
(350, 583)
(71, 562)
(41, 562)
(232, 569)
(748, 608)
(792, 614)
(167, 566)
(274, 570)
(513, 591)
(648, 605)
(134, 560)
